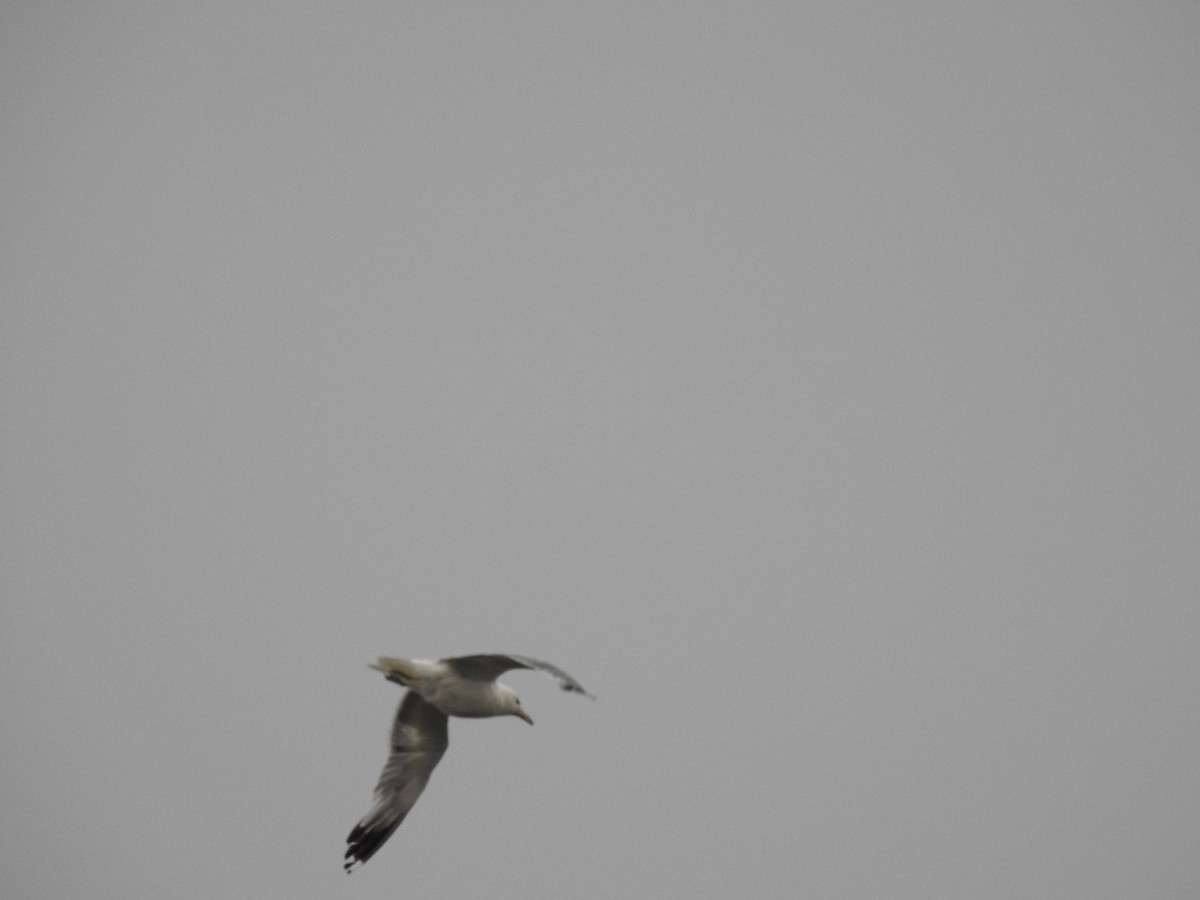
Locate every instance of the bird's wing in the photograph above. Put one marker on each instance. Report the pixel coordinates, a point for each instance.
(419, 738)
(488, 667)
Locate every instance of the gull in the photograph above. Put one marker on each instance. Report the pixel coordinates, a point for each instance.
(463, 686)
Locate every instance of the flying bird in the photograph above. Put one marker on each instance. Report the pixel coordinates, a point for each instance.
(463, 686)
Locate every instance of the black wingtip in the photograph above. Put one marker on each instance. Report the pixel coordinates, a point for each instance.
(576, 689)
(363, 844)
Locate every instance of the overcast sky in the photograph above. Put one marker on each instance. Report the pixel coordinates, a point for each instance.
(819, 383)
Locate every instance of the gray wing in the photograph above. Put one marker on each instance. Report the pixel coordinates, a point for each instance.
(419, 738)
(489, 667)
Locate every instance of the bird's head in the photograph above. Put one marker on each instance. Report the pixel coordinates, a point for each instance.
(512, 704)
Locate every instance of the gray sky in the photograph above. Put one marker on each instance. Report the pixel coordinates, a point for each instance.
(816, 382)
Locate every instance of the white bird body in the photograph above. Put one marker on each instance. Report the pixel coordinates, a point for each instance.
(437, 684)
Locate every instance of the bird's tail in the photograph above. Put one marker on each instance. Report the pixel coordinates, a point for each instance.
(395, 669)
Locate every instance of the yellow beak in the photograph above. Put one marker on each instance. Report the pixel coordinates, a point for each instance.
(524, 715)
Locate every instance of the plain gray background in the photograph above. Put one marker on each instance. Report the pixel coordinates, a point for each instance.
(816, 382)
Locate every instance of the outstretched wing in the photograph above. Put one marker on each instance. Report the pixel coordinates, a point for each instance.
(419, 738)
(489, 667)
